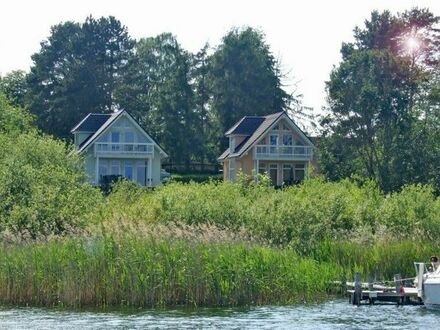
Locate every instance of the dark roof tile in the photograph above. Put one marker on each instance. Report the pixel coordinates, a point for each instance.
(91, 123)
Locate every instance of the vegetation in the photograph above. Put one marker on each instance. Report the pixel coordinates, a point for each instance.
(62, 242)
(149, 272)
(383, 120)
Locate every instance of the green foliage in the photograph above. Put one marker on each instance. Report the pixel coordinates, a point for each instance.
(299, 217)
(41, 189)
(13, 120)
(163, 97)
(77, 71)
(14, 86)
(244, 78)
(152, 272)
(381, 122)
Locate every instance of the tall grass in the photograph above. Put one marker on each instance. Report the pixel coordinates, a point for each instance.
(299, 217)
(152, 272)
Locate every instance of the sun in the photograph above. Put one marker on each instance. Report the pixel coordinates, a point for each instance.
(412, 44)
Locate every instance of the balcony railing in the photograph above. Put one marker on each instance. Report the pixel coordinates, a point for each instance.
(283, 152)
(124, 148)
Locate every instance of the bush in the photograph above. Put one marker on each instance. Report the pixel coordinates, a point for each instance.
(41, 187)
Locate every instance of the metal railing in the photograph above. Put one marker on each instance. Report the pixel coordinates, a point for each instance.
(283, 152)
(124, 148)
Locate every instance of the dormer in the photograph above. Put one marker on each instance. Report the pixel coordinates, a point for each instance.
(87, 127)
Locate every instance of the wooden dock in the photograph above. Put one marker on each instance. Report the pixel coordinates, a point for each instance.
(379, 294)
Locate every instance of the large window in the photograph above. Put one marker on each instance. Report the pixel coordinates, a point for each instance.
(129, 137)
(273, 174)
(299, 172)
(128, 170)
(287, 174)
(103, 169)
(287, 139)
(262, 169)
(273, 140)
(114, 167)
(141, 173)
(232, 169)
(231, 144)
(115, 137)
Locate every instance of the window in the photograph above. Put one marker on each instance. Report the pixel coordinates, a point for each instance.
(114, 168)
(273, 174)
(232, 169)
(231, 144)
(115, 137)
(102, 170)
(129, 137)
(273, 140)
(141, 173)
(276, 127)
(287, 174)
(128, 170)
(262, 168)
(287, 139)
(299, 172)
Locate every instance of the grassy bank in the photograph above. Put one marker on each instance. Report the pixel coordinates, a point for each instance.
(151, 273)
(222, 244)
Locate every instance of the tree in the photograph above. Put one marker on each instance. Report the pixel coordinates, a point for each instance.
(157, 91)
(244, 78)
(77, 71)
(376, 96)
(41, 183)
(14, 86)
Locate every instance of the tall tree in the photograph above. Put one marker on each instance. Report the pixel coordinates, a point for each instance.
(244, 78)
(376, 97)
(77, 71)
(159, 94)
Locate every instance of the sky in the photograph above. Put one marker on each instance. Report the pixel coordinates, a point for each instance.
(305, 35)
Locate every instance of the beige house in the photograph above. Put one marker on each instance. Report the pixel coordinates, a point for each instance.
(271, 144)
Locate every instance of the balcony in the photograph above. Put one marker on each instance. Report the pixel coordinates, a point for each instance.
(124, 149)
(283, 152)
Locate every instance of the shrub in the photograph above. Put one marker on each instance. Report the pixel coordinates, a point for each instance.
(41, 187)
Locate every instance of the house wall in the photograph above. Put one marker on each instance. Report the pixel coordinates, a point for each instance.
(122, 125)
(280, 174)
(225, 170)
(245, 164)
(284, 129)
(80, 137)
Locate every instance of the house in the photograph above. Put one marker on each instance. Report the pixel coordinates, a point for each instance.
(271, 144)
(116, 145)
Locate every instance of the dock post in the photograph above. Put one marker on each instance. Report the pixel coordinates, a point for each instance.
(370, 288)
(357, 295)
(398, 286)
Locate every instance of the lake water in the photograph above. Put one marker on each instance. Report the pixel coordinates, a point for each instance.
(330, 315)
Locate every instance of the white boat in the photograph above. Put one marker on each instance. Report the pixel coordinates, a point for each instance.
(428, 285)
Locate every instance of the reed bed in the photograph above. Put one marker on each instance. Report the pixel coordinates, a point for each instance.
(157, 273)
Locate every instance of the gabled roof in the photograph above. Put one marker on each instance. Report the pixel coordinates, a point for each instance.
(245, 126)
(91, 123)
(111, 118)
(255, 132)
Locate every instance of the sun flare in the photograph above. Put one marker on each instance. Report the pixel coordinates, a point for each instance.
(412, 44)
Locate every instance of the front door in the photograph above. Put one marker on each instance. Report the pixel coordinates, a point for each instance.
(273, 174)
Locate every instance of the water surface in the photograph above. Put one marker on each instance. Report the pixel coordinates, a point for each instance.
(336, 314)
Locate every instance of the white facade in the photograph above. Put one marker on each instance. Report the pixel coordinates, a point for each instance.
(122, 148)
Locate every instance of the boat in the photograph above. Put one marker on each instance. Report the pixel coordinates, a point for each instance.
(428, 285)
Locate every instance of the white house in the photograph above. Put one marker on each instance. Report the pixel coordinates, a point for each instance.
(115, 144)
